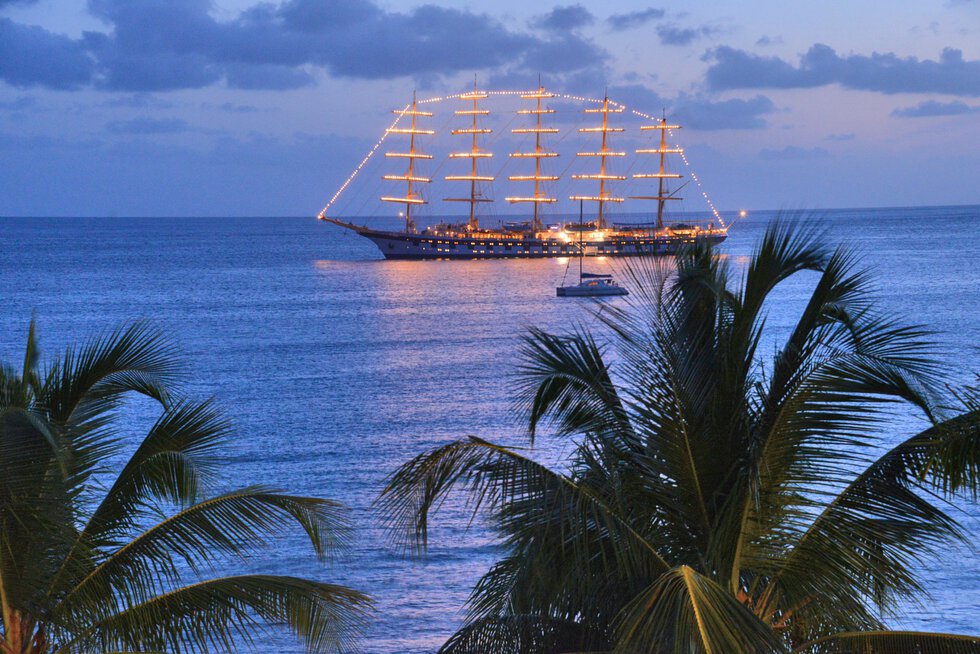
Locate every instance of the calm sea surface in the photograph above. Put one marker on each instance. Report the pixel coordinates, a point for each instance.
(337, 365)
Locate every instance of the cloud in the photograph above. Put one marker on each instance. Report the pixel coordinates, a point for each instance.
(139, 101)
(821, 65)
(735, 113)
(695, 112)
(262, 76)
(674, 35)
(621, 22)
(33, 56)
(147, 126)
(794, 153)
(931, 108)
(639, 97)
(565, 19)
(764, 41)
(564, 54)
(232, 108)
(848, 136)
(19, 104)
(155, 46)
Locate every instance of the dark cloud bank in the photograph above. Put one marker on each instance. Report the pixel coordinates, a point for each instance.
(635, 19)
(567, 18)
(156, 46)
(931, 108)
(821, 65)
(151, 45)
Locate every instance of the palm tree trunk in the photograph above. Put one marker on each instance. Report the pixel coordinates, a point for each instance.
(15, 639)
(22, 635)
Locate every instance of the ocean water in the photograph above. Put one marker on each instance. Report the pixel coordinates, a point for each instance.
(337, 366)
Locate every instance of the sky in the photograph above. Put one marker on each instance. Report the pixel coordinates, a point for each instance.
(245, 108)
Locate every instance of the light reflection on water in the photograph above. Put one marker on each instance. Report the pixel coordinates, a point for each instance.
(338, 366)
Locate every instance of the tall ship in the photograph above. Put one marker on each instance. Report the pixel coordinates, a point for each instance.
(471, 178)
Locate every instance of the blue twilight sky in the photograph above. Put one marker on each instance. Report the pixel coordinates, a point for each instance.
(245, 107)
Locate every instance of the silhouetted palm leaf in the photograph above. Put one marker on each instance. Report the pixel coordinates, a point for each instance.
(126, 571)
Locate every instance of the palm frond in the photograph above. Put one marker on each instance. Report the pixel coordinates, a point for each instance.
(173, 461)
(945, 457)
(685, 611)
(565, 379)
(234, 524)
(501, 479)
(89, 380)
(872, 538)
(787, 247)
(222, 614)
(519, 634)
(32, 353)
(892, 642)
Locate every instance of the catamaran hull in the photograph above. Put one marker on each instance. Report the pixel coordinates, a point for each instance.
(395, 245)
(585, 291)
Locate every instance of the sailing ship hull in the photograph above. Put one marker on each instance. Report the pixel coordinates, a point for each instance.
(400, 245)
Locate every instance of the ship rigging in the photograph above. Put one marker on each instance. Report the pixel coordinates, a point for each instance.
(535, 237)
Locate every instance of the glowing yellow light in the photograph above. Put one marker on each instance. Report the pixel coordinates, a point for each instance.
(535, 130)
(409, 130)
(471, 155)
(403, 200)
(533, 154)
(407, 178)
(595, 198)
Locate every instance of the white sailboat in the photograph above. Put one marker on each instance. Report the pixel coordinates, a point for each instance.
(589, 284)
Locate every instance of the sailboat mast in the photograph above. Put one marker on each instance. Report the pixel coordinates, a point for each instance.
(581, 246)
(409, 223)
(473, 154)
(663, 193)
(537, 154)
(411, 197)
(604, 196)
(536, 220)
(602, 161)
(660, 188)
(472, 222)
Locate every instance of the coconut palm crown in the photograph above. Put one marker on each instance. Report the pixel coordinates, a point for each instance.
(103, 554)
(720, 496)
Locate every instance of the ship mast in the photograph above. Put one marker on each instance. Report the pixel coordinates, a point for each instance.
(604, 196)
(539, 153)
(661, 197)
(411, 197)
(473, 155)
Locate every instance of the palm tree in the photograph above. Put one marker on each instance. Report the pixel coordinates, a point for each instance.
(101, 554)
(717, 499)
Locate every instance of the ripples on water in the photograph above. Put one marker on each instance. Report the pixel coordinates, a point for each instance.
(338, 366)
